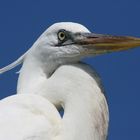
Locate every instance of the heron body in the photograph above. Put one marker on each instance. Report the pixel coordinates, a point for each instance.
(51, 77)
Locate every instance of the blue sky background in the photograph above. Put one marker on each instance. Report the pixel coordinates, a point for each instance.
(21, 23)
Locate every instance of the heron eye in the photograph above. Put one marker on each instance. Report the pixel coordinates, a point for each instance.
(61, 36)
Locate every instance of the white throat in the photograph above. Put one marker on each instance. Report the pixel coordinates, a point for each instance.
(34, 72)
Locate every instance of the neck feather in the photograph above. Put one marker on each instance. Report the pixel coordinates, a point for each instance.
(33, 73)
(83, 121)
(85, 108)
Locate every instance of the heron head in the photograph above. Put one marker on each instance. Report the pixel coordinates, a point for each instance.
(71, 41)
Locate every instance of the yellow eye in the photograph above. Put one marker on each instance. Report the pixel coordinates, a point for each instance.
(61, 36)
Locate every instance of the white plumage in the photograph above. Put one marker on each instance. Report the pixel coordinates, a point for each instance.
(28, 117)
(52, 77)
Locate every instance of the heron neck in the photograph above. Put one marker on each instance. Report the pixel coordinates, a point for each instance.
(81, 120)
(32, 74)
(85, 109)
(78, 92)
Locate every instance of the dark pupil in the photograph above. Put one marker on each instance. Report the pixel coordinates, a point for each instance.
(62, 35)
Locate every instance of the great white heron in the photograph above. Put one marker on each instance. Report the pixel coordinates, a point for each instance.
(52, 77)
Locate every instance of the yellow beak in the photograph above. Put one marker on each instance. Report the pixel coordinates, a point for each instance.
(99, 44)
